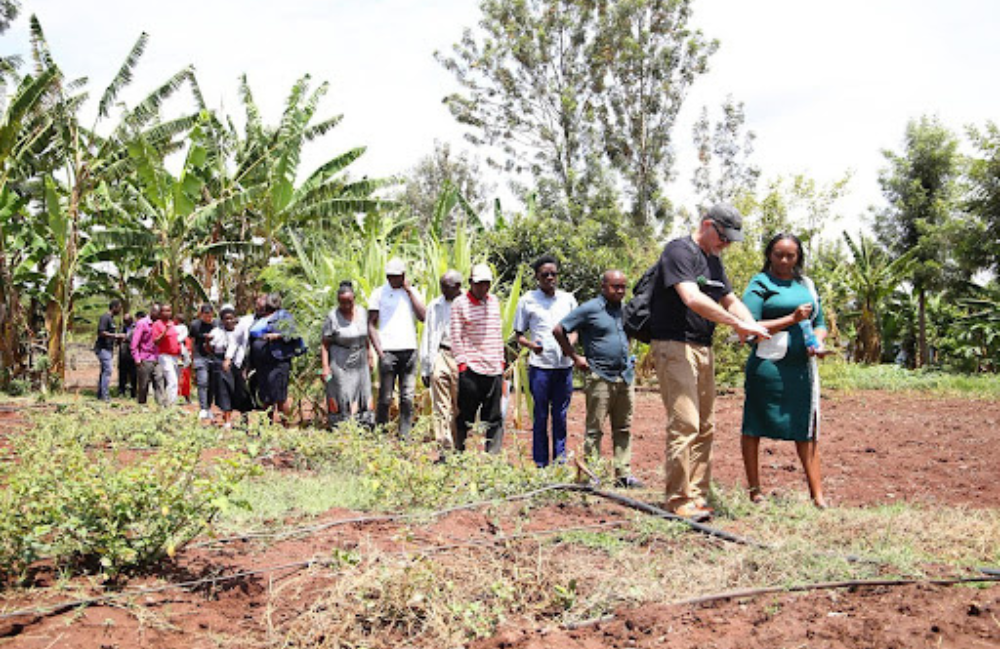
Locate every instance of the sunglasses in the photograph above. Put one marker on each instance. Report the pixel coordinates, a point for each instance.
(548, 273)
(722, 237)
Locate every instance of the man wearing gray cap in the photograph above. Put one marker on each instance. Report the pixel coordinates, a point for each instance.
(691, 294)
(393, 310)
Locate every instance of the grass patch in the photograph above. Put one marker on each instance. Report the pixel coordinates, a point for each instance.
(841, 375)
(277, 496)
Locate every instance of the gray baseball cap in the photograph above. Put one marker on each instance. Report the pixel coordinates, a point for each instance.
(729, 220)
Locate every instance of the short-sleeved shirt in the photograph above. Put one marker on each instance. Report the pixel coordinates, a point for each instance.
(684, 261)
(477, 334)
(168, 345)
(199, 332)
(769, 298)
(539, 314)
(397, 322)
(605, 343)
(105, 324)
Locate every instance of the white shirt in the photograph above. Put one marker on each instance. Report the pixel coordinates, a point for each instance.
(239, 341)
(397, 323)
(538, 314)
(436, 333)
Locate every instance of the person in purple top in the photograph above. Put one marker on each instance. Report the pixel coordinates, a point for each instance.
(145, 354)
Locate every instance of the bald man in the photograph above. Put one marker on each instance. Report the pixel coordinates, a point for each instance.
(438, 369)
(609, 372)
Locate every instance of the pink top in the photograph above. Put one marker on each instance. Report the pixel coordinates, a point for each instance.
(476, 334)
(143, 347)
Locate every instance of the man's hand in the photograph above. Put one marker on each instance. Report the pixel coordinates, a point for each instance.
(580, 363)
(226, 364)
(536, 347)
(745, 329)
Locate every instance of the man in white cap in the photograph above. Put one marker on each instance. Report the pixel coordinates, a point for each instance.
(393, 311)
(477, 347)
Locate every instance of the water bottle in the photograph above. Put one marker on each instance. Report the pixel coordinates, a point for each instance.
(809, 335)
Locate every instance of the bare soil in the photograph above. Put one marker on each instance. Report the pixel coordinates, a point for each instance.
(876, 448)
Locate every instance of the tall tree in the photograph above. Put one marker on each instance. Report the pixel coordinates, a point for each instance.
(8, 12)
(919, 185)
(566, 88)
(527, 89)
(724, 149)
(650, 59)
(981, 244)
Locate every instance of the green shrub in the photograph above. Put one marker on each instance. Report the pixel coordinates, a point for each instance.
(109, 511)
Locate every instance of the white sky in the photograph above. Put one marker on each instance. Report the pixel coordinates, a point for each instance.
(826, 85)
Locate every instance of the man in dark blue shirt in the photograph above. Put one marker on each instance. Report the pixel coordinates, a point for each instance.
(609, 372)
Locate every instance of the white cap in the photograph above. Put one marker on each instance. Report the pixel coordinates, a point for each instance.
(482, 273)
(395, 267)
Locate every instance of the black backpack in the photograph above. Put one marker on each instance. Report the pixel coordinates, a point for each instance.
(637, 314)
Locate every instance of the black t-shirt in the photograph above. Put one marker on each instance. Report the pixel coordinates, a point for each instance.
(683, 261)
(199, 331)
(106, 323)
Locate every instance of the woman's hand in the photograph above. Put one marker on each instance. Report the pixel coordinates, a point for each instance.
(802, 312)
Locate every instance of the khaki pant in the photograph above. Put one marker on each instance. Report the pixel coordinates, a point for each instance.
(444, 398)
(687, 386)
(615, 400)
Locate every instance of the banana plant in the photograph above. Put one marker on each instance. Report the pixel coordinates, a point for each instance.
(872, 276)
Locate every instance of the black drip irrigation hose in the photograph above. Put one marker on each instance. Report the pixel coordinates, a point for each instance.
(799, 588)
(645, 507)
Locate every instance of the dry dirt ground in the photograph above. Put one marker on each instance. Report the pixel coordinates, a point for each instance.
(876, 448)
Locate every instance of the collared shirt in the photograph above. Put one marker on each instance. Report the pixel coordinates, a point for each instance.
(477, 335)
(397, 322)
(605, 343)
(539, 313)
(143, 347)
(436, 332)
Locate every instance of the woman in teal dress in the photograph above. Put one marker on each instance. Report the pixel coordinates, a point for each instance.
(782, 382)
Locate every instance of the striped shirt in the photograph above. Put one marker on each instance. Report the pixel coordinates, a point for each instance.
(476, 337)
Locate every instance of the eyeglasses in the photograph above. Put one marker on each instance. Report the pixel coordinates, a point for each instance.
(722, 237)
(548, 273)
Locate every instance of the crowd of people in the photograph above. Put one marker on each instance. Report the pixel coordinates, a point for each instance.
(239, 363)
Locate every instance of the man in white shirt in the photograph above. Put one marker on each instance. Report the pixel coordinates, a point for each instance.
(550, 372)
(438, 369)
(393, 311)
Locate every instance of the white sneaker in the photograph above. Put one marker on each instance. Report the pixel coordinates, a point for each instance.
(204, 414)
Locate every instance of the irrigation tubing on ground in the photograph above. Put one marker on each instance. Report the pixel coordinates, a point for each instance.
(35, 614)
(992, 576)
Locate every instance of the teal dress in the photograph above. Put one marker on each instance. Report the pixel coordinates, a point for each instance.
(782, 395)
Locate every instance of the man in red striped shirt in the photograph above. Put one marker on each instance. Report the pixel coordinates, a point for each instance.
(477, 345)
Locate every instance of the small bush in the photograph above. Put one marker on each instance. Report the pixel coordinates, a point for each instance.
(105, 511)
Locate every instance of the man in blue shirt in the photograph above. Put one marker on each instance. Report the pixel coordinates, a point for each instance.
(609, 372)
